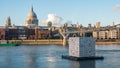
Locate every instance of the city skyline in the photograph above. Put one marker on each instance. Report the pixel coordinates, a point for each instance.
(73, 12)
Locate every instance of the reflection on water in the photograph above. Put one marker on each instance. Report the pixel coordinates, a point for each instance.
(82, 64)
(16, 61)
(49, 56)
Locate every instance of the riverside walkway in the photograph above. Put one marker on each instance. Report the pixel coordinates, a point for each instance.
(37, 42)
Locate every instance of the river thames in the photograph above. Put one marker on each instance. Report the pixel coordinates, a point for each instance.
(49, 56)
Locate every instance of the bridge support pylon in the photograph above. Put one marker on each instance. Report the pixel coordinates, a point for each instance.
(64, 41)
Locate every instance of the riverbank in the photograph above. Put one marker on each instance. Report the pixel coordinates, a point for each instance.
(51, 41)
(107, 43)
(36, 42)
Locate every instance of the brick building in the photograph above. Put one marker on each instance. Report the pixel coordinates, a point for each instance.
(42, 34)
(2, 33)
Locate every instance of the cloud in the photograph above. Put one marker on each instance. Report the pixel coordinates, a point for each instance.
(42, 23)
(56, 20)
(116, 8)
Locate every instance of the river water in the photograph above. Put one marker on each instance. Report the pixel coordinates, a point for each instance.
(49, 56)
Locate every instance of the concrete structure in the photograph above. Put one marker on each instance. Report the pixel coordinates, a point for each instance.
(67, 32)
(65, 36)
(81, 46)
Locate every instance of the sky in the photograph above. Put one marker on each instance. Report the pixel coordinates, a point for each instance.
(71, 11)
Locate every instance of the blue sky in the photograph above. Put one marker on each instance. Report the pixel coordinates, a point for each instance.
(81, 11)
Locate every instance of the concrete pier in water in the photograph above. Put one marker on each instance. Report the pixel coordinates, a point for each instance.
(82, 48)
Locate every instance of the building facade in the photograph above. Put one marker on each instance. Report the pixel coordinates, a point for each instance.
(106, 34)
(2, 33)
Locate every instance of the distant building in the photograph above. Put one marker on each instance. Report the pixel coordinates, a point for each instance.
(34, 32)
(2, 33)
(113, 34)
(89, 25)
(113, 23)
(29, 32)
(8, 22)
(22, 32)
(31, 20)
(97, 25)
(49, 24)
(11, 34)
(42, 34)
(100, 34)
(106, 34)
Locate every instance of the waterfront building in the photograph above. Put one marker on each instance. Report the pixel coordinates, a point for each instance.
(96, 34)
(11, 34)
(106, 33)
(100, 34)
(113, 34)
(2, 33)
(22, 32)
(42, 34)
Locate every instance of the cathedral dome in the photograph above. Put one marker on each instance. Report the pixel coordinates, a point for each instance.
(31, 14)
(49, 24)
(31, 19)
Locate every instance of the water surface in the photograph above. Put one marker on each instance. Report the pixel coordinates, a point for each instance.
(49, 56)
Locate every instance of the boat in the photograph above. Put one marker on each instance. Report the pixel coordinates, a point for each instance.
(6, 43)
(9, 44)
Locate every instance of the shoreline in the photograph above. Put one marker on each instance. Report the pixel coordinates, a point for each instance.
(36, 42)
(107, 43)
(52, 41)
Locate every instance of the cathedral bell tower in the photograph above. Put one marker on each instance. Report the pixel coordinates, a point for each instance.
(8, 22)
